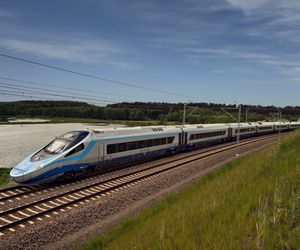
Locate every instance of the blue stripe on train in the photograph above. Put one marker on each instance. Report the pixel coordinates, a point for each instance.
(75, 167)
(92, 143)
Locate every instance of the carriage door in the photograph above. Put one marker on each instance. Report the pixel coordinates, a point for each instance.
(230, 132)
(100, 152)
(185, 137)
(180, 138)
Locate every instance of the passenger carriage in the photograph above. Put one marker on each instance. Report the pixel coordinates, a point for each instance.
(244, 129)
(294, 125)
(264, 127)
(281, 126)
(204, 134)
(123, 145)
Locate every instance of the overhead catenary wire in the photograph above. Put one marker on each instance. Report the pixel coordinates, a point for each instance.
(58, 95)
(31, 89)
(62, 87)
(37, 98)
(92, 76)
(54, 92)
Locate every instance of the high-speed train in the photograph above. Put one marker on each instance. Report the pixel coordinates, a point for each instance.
(80, 151)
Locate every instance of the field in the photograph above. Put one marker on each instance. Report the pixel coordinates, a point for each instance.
(251, 203)
(4, 176)
(51, 120)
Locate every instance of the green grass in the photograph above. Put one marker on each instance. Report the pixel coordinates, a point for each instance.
(251, 203)
(4, 176)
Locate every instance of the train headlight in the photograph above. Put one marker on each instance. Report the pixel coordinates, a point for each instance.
(35, 168)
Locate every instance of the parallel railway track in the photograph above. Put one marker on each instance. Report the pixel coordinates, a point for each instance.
(17, 192)
(14, 218)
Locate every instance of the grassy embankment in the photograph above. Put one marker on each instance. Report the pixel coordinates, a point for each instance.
(251, 203)
(4, 176)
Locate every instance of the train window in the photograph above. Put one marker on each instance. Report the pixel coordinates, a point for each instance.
(98, 131)
(155, 142)
(242, 130)
(132, 145)
(162, 141)
(112, 148)
(264, 128)
(149, 143)
(207, 134)
(170, 139)
(75, 150)
(65, 141)
(141, 144)
(122, 147)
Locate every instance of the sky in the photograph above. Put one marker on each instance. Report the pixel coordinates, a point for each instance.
(223, 51)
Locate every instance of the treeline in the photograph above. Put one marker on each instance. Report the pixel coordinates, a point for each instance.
(163, 112)
(165, 107)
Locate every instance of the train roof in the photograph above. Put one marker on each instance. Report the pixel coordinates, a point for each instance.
(281, 123)
(259, 124)
(120, 131)
(243, 125)
(204, 127)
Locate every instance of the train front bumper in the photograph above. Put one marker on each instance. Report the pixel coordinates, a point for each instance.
(19, 175)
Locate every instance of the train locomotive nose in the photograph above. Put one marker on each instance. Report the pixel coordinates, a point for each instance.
(19, 175)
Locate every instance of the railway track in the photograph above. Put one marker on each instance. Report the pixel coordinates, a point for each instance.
(19, 217)
(19, 192)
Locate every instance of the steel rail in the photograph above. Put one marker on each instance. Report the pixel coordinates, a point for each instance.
(14, 191)
(97, 189)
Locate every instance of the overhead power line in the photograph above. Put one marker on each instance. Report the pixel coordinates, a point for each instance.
(33, 96)
(61, 87)
(56, 93)
(91, 76)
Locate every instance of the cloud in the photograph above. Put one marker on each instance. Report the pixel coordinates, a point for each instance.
(69, 46)
(231, 52)
(247, 4)
(6, 14)
(72, 50)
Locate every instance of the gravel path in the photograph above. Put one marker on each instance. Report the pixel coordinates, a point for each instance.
(69, 230)
(19, 141)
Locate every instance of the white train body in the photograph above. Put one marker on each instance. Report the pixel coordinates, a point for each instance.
(123, 143)
(282, 126)
(194, 135)
(76, 152)
(265, 127)
(244, 129)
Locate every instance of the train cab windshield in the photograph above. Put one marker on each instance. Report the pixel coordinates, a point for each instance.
(57, 146)
(60, 144)
(65, 141)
